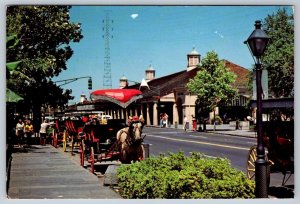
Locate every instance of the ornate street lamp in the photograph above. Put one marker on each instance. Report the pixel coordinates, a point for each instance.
(257, 43)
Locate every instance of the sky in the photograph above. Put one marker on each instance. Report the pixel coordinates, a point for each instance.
(158, 35)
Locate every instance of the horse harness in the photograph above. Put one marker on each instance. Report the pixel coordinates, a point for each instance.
(131, 140)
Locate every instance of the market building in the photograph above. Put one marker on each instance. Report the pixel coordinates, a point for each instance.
(168, 94)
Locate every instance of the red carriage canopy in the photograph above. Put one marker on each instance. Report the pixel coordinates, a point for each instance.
(121, 97)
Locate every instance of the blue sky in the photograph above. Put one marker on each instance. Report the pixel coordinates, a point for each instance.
(158, 35)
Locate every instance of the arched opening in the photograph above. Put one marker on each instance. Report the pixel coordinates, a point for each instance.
(179, 109)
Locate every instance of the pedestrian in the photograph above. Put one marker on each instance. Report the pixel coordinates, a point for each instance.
(161, 120)
(28, 130)
(165, 120)
(194, 120)
(43, 132)
(20, 132)
(185, 123)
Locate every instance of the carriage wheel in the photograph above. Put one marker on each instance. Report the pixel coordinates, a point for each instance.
(65, 141)
(252, 156)
(92, 160)
(82, 150)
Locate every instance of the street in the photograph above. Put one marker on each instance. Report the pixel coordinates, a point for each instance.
(234, 148)
(55, 172)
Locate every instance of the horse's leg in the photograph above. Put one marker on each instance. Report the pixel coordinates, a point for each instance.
(141, 153)
(123, 154)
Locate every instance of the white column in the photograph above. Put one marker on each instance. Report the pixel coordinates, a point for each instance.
(175, 114)
(155, 114)
(148, 114)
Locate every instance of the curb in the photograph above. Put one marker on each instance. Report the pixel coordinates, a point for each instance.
(231, 134)
(220, 132)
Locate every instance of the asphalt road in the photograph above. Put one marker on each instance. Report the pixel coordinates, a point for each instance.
(234, 148)
(40, 170)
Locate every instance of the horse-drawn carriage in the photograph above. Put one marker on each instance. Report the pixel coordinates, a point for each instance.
(278, 138)
(110, 139)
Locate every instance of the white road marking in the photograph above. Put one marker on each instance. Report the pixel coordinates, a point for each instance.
(198, 136)
(198, 142)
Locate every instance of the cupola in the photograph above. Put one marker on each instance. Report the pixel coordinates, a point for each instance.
(123, 82)
(193, 59)
(150, 73)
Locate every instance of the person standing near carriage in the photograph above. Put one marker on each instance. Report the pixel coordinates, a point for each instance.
(20, 132)
(43, 132)
(28, 130)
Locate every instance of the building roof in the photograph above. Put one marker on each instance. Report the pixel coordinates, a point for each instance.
(123, 78)
(241, 73)
(150, 68)
(166, 84)
(194, 52)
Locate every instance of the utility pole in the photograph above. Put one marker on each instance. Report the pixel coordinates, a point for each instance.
(107, 28)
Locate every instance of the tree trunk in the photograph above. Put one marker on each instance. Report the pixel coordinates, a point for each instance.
(214, 119)
(36, 117)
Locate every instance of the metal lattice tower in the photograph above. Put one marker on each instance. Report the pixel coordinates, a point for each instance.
(107, 81)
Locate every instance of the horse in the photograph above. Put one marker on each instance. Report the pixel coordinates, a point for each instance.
(129, 141)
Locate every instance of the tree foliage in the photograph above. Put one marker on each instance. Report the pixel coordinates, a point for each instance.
(213, 84)
(45, 34)
(279, 56)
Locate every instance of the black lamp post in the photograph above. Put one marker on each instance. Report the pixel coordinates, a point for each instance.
(257, 43)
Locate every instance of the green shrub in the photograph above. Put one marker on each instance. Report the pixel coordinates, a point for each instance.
(178, 176)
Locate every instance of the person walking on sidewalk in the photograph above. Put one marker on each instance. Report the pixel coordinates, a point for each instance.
(20, 132)
(28, 130)
(185, 123)
(43, 132)
(165, 120)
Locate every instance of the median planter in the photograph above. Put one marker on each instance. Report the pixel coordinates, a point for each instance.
(178, 176)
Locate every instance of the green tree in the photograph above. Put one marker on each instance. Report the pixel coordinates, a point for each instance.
(45, 34)
(279, 56)
(213, 84)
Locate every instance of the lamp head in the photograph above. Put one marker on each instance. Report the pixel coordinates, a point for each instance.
(257, 41)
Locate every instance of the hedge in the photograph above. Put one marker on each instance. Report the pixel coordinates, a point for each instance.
(178, 176)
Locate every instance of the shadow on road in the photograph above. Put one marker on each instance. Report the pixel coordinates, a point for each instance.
(282, 191)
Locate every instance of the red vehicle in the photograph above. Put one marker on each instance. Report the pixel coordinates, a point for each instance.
(59, 133)
(74, 133)
(102, 139)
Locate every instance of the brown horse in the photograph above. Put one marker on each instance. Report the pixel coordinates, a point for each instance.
(129, 141)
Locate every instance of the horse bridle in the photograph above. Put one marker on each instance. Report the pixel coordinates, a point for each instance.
(131, 140)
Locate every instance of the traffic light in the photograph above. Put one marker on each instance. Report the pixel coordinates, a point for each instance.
(90, 84)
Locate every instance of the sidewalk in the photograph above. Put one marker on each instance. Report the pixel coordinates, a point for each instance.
(221, 129)
(228, 130)
(43, 172)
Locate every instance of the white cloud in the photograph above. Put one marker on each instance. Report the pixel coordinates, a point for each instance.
(134, 15)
